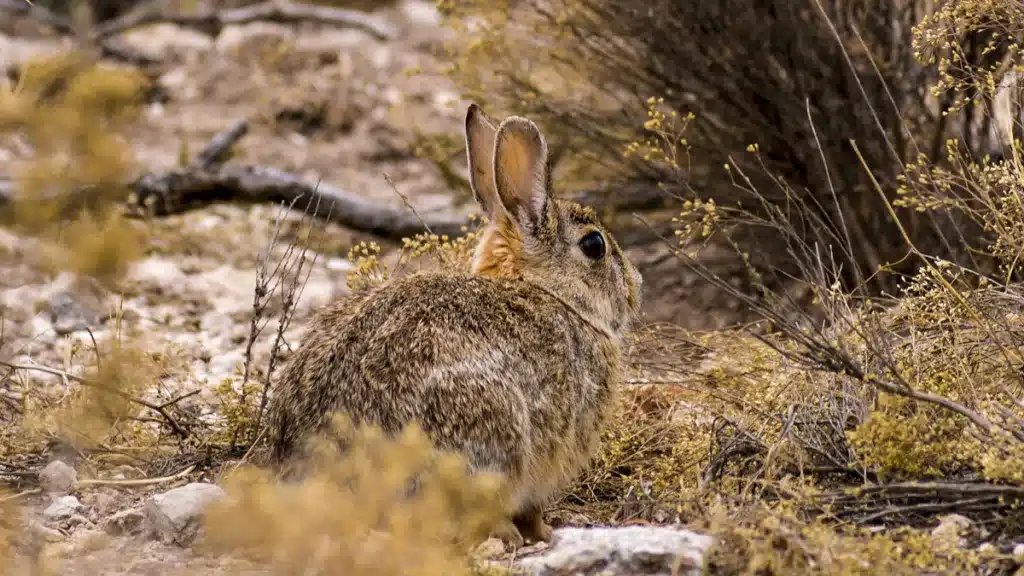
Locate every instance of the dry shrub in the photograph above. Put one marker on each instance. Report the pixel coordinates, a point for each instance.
(855, 392)
(649, 458)
(354, 514)
(440, 252)
(100, 405)
(69, 113)
(798, 79)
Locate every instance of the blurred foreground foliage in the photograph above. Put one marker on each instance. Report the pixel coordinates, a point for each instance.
(69, 113)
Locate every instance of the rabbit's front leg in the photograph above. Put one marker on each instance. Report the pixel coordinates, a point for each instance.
(509, 535)
(530, 523)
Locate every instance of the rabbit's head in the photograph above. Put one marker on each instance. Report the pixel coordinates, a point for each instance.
(557, 244)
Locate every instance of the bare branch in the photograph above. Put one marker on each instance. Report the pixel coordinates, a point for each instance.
(281, 12)
(213, 154)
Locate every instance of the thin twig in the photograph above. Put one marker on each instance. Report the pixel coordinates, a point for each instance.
(408, 204)
(179, 398)
(291, 295)
(138, 482)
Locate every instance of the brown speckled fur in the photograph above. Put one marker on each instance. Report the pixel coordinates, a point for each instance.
(513, 365)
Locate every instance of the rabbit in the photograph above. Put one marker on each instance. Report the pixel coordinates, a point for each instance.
(513, 364)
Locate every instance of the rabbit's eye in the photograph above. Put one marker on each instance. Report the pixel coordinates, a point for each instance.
(592, 245)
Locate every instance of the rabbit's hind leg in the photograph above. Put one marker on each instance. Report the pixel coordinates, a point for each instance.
(530, 523)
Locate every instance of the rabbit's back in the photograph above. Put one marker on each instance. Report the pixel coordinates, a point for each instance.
(498, 369)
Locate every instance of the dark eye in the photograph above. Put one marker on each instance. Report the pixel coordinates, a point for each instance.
(592, 245)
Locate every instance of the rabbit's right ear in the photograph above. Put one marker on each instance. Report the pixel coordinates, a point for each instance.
(480, 135)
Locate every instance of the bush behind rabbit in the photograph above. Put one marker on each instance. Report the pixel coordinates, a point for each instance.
(514, 364)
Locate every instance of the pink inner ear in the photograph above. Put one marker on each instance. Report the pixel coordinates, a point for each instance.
(520, 173)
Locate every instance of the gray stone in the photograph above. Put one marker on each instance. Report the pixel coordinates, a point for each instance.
(62, 508)
(174, 516)
(70, 314)
(57, 478)
(626, 551)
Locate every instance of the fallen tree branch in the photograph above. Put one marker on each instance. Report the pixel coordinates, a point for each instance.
(211, 22)
(929, 489)
(215, 152)
(183, 190)
(206, 181)
(63, 26)
(272, 11)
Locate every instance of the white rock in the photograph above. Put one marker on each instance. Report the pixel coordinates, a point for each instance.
(174, 516)
(225, 365)
(318, 291)
(57, 478)
(950, 530)
(62, 508)
(1018, 550)
(158, 40)
(158, 272)
(235, 36)
(421, 14)
(625, 550)
(381, 56)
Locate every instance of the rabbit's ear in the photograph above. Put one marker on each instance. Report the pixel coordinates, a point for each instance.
(480, 133)
(521, 171)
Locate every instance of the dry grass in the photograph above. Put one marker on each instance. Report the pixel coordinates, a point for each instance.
(353, 514)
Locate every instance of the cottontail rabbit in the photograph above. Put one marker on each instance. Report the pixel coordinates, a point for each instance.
(513, 364)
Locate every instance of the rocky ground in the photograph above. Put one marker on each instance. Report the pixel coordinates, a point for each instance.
(336, 106)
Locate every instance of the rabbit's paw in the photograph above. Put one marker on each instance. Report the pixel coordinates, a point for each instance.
(509, 534)
(530, 524)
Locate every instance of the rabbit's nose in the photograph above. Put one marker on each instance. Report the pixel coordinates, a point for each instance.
(638, 279)
(636, 286)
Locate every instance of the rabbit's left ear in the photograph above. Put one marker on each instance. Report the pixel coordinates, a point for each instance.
(521, 176)
(480, 134)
